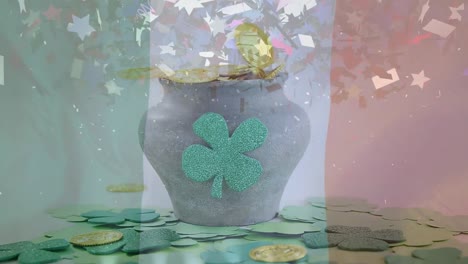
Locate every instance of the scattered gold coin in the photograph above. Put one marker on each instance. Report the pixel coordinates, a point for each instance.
(274, 72)
(278, 253)
(127, 187)
(254, 45)
(141, 73)
(230, 70)
(96, 238)
(193, 76)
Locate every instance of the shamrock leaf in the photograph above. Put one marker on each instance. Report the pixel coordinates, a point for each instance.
(429, 256)
(28, 252)
(353, 238)
(136, 215)
(224, 160)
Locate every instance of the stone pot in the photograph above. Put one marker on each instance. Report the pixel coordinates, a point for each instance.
(166, 130)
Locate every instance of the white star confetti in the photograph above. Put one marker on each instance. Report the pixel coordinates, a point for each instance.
(424, 10)
(217, 25)
(419, 79)
(454, 12)
(113, 88)
(306, 41)
(81, 26)
(188, 5)
(439, 28)
(2, 70)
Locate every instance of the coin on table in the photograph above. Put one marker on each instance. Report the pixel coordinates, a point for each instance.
(278, 253)
(126, 187)
(193, 76)
(96, 238)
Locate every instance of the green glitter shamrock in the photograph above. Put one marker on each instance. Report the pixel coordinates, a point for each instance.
(28, 252)
(134, 242)
(136, 215)
(353, 238)
(225, 159)
(430, 256)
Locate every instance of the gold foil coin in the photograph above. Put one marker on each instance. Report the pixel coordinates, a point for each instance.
(141, 73)
(129, 187)
(278, 253)
(96, 238)
(230, 70)
(274, 72)
(193, 76)
(254, 45)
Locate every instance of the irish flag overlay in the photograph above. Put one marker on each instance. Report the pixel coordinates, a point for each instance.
(306, 131)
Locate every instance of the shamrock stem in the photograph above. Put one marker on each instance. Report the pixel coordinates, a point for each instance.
(217, 187)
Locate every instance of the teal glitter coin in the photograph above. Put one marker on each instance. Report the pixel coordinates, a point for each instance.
(225, 159)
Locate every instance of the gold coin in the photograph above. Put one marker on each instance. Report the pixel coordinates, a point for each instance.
(254, 45)
(230, 70)
(193, 76)
(274, 72)
(259, 72)
(128, 187)
(141, 73)
(96, 238)
(278, 253)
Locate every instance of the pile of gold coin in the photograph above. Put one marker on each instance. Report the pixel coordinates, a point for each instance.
(252, 43)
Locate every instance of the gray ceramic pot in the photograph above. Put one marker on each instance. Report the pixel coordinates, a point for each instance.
(166, 131)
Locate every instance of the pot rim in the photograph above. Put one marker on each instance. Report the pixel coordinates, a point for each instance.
(280, 78)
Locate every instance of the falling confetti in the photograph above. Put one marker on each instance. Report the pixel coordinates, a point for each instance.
(455, 14)
(439, 28)
(22, 6)
(2, 70)
(295, 7)
(217, 25)
(380, 82)
(113, 88)
(424, 10)
(81, 26)
(188, 5)
(306, 41)
(235, 9)
(168, 49)
(419, 79)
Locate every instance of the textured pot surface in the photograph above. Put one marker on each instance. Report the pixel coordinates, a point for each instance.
(166, 131)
